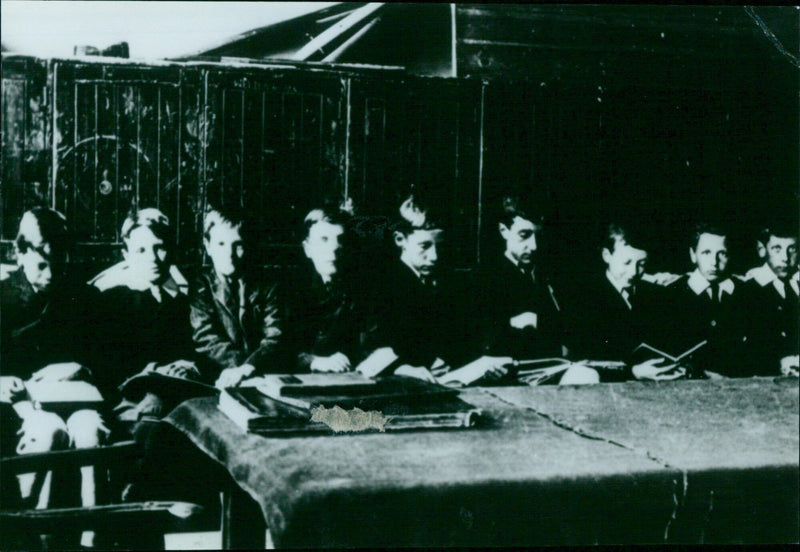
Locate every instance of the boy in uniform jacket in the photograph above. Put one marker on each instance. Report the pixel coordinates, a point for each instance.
(234, 315)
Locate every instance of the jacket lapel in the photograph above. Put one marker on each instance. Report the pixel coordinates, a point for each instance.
(223, 300)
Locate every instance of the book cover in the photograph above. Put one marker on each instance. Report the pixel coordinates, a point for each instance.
(168, 386)
(404, 403)
(64, 394)
(645, 352)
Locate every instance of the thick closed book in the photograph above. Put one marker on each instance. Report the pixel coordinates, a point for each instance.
(254, 412)
(67, 394)
(398, 404)
(353, 390)
(349, 383)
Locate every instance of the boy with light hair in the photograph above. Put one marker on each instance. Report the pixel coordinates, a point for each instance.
(234, 316)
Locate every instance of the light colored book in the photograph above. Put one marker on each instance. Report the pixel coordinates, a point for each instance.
(48, 392)
(377, 363)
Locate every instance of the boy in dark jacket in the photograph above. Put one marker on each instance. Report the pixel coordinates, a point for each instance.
(234, 316)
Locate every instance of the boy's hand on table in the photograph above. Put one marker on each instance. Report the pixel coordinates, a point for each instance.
(336, 363)
(231, 377)
(649, 371)
(524, 320)
(179, 369)
(419, 372)
(12, 389)
(790, 365)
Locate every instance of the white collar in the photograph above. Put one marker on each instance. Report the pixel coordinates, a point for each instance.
(511, 258)
(515, 262)
(417, 274)
(763, 275)
(614, 283)
(698, 284)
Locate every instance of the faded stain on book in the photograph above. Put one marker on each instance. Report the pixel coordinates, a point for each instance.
(340, 420)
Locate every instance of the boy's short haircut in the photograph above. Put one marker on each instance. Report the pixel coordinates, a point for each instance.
(231, 214)
(780, 228)
(625, 232)
(415, 214)
(706, 228)
(330, 212)
(149, 217)
(44, 230)
(513, 206)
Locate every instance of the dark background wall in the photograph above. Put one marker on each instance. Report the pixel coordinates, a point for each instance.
(586, 116)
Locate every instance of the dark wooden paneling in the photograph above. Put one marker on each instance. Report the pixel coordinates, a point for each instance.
(672, 47)
(421, 136)
(282, 140)
(25, 144)
(276, 140)
(124, 144)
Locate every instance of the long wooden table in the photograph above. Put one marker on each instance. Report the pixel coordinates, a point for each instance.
(690, 461)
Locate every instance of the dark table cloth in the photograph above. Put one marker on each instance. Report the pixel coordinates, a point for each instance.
(558, 465)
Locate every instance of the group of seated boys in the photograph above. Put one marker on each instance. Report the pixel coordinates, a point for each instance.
(234, 324)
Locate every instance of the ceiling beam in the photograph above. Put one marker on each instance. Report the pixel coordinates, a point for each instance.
(336, 31)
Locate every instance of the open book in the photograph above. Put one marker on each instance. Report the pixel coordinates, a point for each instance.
(166, 386)
(645, 352)
(533, 372)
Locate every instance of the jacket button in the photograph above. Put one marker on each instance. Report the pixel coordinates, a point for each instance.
(713, 323)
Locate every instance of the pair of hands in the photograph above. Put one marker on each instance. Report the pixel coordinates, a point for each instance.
(336, 363)
(790, 365)
(231, 377)
(651, 371)
(12, 388)
(178, 369)
(486, 368)
(128, 411)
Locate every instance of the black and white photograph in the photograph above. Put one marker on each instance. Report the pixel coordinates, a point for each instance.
(381, 275)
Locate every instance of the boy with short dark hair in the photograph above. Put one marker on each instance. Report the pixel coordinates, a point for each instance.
(618, 310)
(234, 316)
(46, 332)
(427, 311)
(521, 315)
(324, 324)
(144, 320)
(706, 305)
(772, 332)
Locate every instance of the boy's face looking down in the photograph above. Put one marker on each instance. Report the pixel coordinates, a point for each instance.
(710, 256)
(226, 249)
(419, 249)
(147, 257)
(38, 267)
(625, 263)
(322, 247)
(521, 240)
(781, 254)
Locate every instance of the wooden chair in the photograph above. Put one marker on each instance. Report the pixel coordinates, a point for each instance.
(127, 525)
